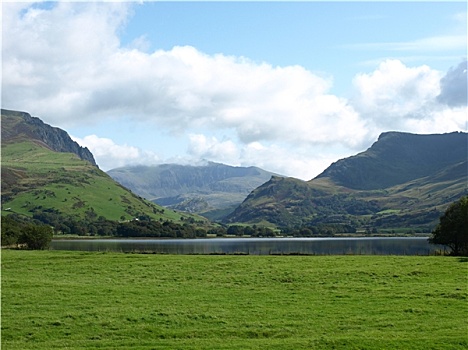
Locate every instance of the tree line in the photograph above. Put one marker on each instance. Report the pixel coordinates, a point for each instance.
(37, 232)
(16, 228)
(17, 232)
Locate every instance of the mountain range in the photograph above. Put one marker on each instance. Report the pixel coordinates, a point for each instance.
(402, 180)
(211, 189)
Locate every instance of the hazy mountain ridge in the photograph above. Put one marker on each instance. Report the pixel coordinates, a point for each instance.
(192, 188)
(402, 180)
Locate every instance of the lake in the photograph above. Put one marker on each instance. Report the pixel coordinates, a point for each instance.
(258, 246)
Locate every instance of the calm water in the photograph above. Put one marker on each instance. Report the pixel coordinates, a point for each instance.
(258, 246)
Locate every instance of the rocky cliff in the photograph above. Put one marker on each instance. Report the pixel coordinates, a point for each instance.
(17, 125)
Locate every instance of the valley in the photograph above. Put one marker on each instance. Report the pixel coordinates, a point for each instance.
(402, 184)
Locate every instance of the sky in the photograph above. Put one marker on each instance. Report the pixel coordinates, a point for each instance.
(290, 87)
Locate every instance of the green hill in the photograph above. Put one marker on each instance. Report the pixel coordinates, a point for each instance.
(402, 181)
(42, 183)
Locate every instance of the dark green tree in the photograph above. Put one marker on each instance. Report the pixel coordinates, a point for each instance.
(11, 230)
(36, 236)
(452, 229)
(235, 230)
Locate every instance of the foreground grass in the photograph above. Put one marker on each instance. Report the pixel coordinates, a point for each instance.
(80, 300)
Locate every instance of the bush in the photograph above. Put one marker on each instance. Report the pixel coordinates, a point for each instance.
(36, 237)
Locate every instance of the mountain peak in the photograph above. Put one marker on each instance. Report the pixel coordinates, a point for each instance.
(396, 158)
(18, 125)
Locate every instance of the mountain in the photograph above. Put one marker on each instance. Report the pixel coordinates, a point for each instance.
(402, 180)
(46, 175)
(397, 158)
(17, 126)
(207, 189)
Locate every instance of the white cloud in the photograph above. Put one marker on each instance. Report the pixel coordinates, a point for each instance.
(202, 147)
(397, 97)
(304, 162)
(52, 57)
(109, 155)
(64, 62)
(440, 121)
(301, 163)
(86, 75)
(396, 89)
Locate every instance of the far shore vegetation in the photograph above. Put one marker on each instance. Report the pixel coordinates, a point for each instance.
(37, 233)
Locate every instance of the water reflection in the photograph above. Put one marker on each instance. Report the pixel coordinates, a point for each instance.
(259, 246)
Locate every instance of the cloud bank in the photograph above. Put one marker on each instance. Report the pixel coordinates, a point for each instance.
(454, 87)
(112, 155)
(66, 64)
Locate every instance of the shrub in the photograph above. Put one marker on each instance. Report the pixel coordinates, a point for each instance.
(36, 237)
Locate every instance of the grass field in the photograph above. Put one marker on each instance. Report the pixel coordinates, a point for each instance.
(81, 300)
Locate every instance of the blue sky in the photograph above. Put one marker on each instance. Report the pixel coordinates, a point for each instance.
(327, 37)
(287, 86)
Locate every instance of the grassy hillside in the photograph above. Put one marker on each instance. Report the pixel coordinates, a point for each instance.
(419, 193)
(37, 179)
(290, 203)
(79, 300)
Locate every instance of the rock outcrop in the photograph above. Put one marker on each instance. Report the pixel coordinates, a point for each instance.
(16, 125)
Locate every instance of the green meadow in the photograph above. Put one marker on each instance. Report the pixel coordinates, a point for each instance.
(83, 300)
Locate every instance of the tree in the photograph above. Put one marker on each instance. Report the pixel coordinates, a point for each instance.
(235, 230)
(11, 230)
(452, 229)
(36, 237)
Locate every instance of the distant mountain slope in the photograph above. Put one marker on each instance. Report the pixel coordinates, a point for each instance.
(38, 180)
(192, 188)
(403, 180)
